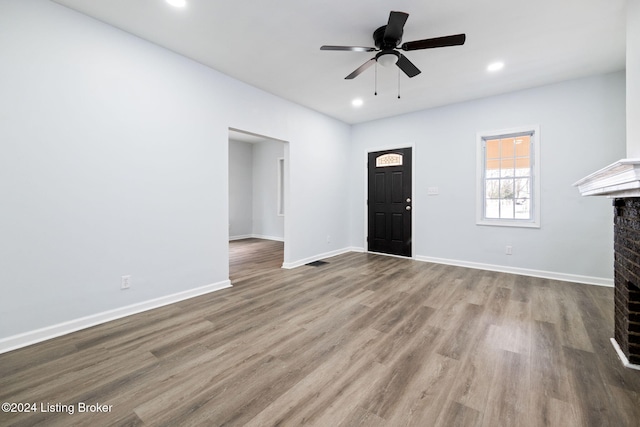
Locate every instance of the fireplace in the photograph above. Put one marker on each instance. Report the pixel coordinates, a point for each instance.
(621, 181)
(627, 277)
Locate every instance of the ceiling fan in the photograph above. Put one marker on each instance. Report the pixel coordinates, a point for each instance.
(387, 39)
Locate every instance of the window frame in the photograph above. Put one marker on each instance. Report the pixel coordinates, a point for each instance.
(280, 186)
(534, 155)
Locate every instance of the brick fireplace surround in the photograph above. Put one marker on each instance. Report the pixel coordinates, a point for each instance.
(627, 277)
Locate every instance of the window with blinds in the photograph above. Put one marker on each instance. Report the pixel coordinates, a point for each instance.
(507, 177)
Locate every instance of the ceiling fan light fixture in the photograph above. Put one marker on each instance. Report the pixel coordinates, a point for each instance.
(388, 59)
(357, 102)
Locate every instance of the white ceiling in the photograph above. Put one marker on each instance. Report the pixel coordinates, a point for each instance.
(274, 45)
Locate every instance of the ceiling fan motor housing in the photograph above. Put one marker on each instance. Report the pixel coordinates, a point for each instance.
(383, 43)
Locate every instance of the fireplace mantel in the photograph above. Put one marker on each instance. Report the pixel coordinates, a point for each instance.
(619, 179)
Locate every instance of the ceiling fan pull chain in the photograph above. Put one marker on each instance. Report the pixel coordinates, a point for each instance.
(398, 83)
(375, 88)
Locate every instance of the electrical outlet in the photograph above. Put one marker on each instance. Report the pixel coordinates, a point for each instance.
(328, 239)
(509, 250)
(125, 283)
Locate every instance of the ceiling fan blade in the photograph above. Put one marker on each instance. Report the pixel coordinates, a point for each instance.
(360, 69)
(454, 40)
(395, 26)
(349, 48)
(407, 66)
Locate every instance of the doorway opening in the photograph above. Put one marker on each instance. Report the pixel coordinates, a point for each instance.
(257, 201)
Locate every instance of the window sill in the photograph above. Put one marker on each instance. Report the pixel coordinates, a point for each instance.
(509, 223)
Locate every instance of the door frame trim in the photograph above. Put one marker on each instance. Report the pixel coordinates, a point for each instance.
(368, 150)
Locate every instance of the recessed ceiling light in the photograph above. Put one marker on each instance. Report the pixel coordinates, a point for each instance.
(495, 66)
(357, 102)
(177, 3)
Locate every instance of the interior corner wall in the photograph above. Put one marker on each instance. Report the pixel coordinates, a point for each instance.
(115, 162)
(582, 127)
(240, 189)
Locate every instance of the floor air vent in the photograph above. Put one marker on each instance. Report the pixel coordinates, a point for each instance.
(317, 263)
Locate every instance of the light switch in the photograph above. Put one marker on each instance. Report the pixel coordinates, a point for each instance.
(432, 191)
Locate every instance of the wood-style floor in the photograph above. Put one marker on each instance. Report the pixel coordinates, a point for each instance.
(365, 340)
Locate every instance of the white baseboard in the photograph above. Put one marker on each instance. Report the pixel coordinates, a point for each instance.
(240, 237)
(32, 337)
(262, 236)
(301, 262)
(576, 278)
(256, 236)
(599, 281)
(356, 249)
(622, 357)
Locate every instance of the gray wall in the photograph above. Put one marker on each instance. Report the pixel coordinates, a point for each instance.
(240, 189)
(582, 129)
(633, 79)
(266, 221)
(114, 162)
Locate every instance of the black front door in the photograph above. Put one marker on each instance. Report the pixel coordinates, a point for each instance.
(389, 202)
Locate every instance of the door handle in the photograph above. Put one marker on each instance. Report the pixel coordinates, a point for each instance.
(408, 208)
